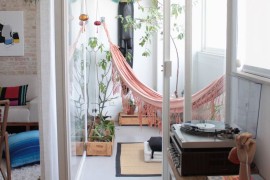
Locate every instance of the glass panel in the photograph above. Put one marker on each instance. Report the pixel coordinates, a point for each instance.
(251, 57)
(253, 38)
(208, 68)
(215, 24)
(76, 86)
(177, 55)
(177, 48)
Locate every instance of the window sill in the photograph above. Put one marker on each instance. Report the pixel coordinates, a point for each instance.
(252, 77)
(213, 52)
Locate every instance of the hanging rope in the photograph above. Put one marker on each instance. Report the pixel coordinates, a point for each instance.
(97, 23)
(83, 16)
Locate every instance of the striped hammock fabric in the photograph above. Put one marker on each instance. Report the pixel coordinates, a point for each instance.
(148, 101)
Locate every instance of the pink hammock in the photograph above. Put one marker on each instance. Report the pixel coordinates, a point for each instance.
(147, 100)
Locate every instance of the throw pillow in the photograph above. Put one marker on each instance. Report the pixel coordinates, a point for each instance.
(24, 148)
(155, 144)
(16, 95)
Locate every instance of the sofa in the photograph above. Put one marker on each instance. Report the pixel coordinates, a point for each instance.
(23, 115)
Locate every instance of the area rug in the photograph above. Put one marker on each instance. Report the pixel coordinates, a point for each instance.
(130, 161)
(31, 172)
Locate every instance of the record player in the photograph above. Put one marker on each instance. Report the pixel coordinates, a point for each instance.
(204, 134)
(202, 148)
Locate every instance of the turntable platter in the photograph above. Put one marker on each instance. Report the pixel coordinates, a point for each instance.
(205, 126)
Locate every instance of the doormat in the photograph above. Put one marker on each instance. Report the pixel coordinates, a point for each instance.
(130, 161)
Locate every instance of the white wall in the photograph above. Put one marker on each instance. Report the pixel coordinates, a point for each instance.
(206, 68)
(257, 33)
(262, 157)
(255, 41)
(144, 67)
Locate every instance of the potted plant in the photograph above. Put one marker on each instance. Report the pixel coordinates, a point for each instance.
(132, 106)
(103, 132)
(101, 139)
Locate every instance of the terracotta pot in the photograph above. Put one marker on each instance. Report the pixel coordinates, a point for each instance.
(131, 110)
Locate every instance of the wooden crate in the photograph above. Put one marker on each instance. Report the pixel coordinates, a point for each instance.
(99, 148)
(125, 119)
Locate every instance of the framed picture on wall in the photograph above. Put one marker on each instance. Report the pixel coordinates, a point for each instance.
(11, 33)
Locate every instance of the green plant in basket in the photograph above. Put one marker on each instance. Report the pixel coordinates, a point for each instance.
(104, 131)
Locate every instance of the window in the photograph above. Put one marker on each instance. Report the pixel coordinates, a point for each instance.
(253, 37)
(214, 26)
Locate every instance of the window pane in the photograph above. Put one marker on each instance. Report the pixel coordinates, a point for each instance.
(209, 68)
(253, 35)
(215, 24)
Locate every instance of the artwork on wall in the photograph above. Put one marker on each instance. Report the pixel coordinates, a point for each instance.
(11, 33)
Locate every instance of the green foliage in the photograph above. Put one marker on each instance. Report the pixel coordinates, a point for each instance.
(152, 23)
(93, 44)
(103, 132)
(103, 66)
(128, 56)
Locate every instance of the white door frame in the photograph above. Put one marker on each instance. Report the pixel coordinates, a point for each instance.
(61, 88)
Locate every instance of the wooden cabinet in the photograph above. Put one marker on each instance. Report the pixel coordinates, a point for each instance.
(125, 119)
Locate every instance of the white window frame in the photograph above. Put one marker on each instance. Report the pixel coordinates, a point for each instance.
(256, 71)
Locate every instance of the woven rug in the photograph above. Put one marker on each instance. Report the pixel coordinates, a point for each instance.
(130, 161)
(30, 172)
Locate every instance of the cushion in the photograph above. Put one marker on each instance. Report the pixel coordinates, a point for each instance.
(24, 148)
(31, 80)
(157, 157)
(18, 114)
(155, 144)
(16, 95)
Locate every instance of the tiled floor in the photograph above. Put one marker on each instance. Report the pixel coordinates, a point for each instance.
(103, 168)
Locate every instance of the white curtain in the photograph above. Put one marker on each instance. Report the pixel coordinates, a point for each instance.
(47, 115)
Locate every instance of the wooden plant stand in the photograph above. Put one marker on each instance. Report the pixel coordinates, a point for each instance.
(125, 119)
